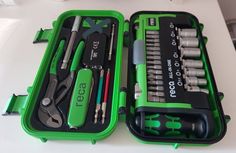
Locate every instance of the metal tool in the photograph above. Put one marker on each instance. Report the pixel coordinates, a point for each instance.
(153, 44)
(74, 31)
(194, 72)
(157, 94)
(67, 82)
(197, 89)
(155, 82)
(190, 52)
(99, 96)
(152, 40)
(158, 72)
(154, 57)
(151, 53)
(156, 88)
(111, 42)
(194, 81)
(157, 77)
(153, 48)
(156, 99)
(155, 67)
(188, 42)
(152, 36)
(104, 103)
(48, 112)
(192, 63)
(187, 32)
(154, 62)
(137, 92)
(80, 98)
(152, 32)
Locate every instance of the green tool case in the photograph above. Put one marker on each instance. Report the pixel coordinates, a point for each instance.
(168, 96)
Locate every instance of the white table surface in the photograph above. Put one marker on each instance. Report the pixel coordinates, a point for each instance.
(19, 61)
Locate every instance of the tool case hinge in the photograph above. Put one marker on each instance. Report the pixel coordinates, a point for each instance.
(221, 95)
(126, 33)
(16, 105)
(43, 35)
(122, 104)
(201, 26)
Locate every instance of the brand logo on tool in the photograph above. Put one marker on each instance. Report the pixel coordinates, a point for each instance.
(95, 46)
(81, 92)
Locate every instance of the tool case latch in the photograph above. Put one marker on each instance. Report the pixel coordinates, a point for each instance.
(126, 33)
(43, 35)
(15, 105)
(122, 104)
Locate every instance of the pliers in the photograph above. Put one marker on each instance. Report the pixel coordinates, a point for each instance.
(48, 113)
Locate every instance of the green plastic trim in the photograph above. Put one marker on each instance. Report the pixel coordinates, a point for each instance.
(77, 56)
(16, 105)
(58, 135)
(57, 57)
(126, 33)
(126, 26)
(122, 106)
(175, 145)
(122, 99)
(43, 35)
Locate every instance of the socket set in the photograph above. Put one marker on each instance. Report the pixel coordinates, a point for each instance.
(172, 84)
(192, 66)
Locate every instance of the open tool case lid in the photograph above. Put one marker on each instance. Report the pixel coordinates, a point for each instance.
(122, 97)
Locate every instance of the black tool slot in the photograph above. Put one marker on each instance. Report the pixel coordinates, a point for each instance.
(65, 33)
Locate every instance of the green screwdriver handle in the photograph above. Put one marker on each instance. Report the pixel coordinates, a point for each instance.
(57, 57)
(77, 56)
(159, 124)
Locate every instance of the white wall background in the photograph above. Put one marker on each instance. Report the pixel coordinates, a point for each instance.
(228, 8)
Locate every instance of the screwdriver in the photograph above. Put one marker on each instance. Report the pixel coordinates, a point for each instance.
(69, 48)
(159, 124)
(111, 43)
(104, 103)
(99, 95)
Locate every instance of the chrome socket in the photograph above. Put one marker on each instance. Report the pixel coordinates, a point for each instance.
(193, 63)
(187, 32)
(194, 81)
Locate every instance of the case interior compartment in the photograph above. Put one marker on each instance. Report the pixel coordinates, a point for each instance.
(213, 107)
(65, 33)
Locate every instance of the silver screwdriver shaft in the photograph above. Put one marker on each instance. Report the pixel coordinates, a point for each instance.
(112, 39)
(69, 48)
